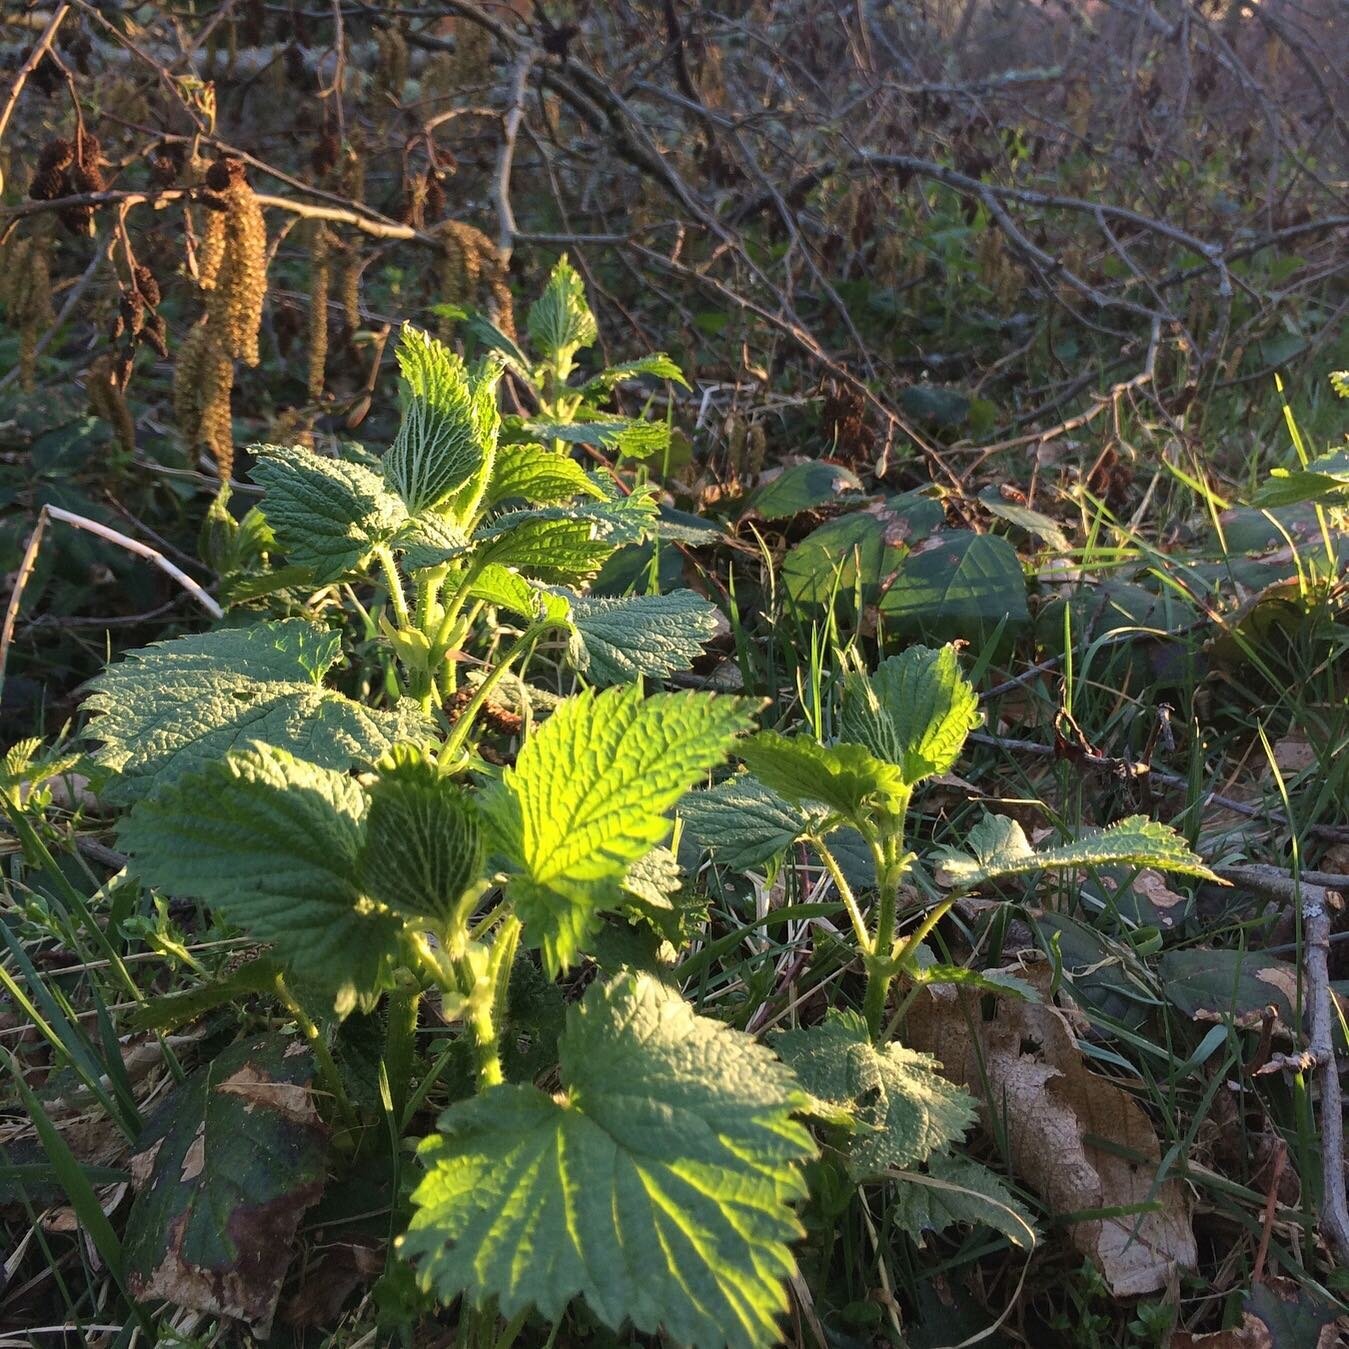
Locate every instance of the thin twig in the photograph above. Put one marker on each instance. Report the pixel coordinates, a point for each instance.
(31, 64)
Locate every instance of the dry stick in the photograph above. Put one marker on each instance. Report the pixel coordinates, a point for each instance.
(501, 192)
(1316, 938)
(31, 64)
(144, 550)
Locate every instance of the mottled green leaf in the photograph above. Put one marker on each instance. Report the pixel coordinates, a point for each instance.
(848, 779)
(224, 1172)
(615, 641)
(956, 1191)
(273, 844)
(659, 1182)
(997, 846)
(326, 514)
(560, 322)
(169, 708)
(903, 1109)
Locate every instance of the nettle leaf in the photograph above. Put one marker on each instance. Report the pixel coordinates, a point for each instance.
(169, 708)
(430, 540)
(535, 473)
(657, 364)
(659, 1182)
(742, 823)
(915, 711)
(560, 321)
(224, 1172)
(423, 844)
(631, 436)
(327, 514)
(450, 421)
(559, 547)
(506, 589)
(588, 796)
(849, 779)
(903, 1109)
(998, 847)
(273, 844)
(615, 641)
(957, 1191)
(1325, 478)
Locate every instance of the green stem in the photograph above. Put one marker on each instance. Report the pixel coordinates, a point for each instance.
(323, 1058)
(400, 1040)
(879, 972)
(899, 958)
(845, 893)
(395, 586)
(465, 723)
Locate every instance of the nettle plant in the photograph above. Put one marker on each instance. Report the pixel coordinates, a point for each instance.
(899, 726)
(561, 326)
(379, 859)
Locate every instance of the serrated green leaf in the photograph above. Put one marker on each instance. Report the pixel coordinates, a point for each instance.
(535, 473)
(450, 421)
(956, 1191)
(803, 487)
(559, 548)
(654, 879)
(634, 437)
(588, 796)
(742, 823)
(423, 845)
(915, 711)
(659, 1183)
(998, 847)
(1324, 478)
(903, 1108)
(273, 844)
(848, 779)
(560, 321)
(225, 1170)
(615, 641)
(326, 514)
(169, 708)
(657, 364)
(430, 540)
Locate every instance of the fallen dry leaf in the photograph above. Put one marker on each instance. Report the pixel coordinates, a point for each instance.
(1025, 1065)
(1292, 754)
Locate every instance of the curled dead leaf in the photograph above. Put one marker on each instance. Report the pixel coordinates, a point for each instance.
(1077, 1139)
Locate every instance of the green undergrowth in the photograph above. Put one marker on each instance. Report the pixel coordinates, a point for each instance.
(538, 914)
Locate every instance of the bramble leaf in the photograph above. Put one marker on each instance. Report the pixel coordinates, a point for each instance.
(423, 845)
(327, 514)
(659, 1182)
(903, 1108)
(914, 711)
(1325, 478)
(450, 421)
(588, 796)
(560, 321)
(849, 779)
(615, 641)
(998, 847)
(273, 844)
(169, 708)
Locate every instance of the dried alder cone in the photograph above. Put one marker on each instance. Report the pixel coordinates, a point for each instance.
(67, 169)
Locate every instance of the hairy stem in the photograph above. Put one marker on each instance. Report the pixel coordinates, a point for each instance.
(400, 1038)
(465, 723)
(845, 893)
(880, 971)
(395, 586)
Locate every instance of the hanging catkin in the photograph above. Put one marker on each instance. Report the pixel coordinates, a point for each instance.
(470, 260)
(232, 270)
(320, 274)
(26, 288)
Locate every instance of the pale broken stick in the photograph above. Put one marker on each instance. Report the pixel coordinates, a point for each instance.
(103, 532)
